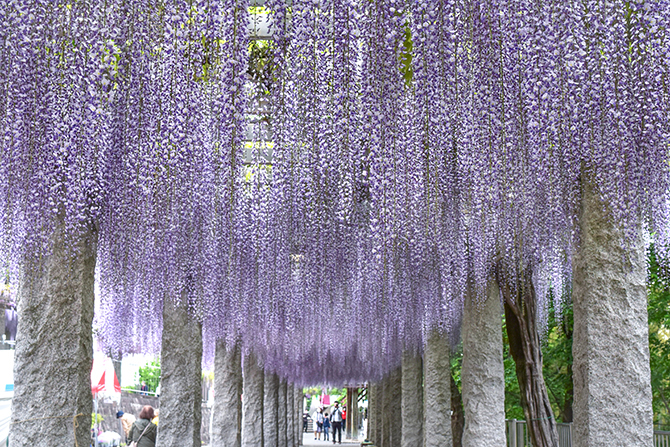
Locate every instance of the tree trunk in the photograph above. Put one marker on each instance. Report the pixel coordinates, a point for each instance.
(412, 400)
(457, 416)
(54, 345)
(524, 345)
(227, 413)
(436, 391)
(483, 371)
(252, 404)
(181, 377)
(612, 378)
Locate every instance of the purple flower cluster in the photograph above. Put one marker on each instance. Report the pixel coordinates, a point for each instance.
(416, 146)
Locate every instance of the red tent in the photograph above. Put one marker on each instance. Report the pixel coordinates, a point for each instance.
(104, 382)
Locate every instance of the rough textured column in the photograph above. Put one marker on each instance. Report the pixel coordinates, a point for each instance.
(54, 347)
(352, 413)
(270, 414)
(297, 413)
(181, 377)
(412, 400)
(612, 403)
(391, 414)
(371, 408)
(290, 405)
(227, 412)
(437, 392)
(483, 372)
(281, 414)
(378, 423)
(252, 405)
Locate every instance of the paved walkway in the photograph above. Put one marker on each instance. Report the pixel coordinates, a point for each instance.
(308, 441)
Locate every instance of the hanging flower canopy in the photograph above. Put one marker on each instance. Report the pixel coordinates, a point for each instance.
(329, 193)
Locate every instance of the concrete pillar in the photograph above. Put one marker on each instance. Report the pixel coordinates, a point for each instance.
(54, 345)
(252, 403)
(271, 413)
(371, 408)
(412, 400)
(352, 413)
(290, 405)
(281, 414)
(437, 392)
(297, 413)
(482, 375)
(181, 377)
(376, 417)
(227, 411)
(391, 410)
(612, 401)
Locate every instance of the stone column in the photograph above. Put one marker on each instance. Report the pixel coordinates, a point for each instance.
(482, 375)
(181, 377)
(352, 413)
(290, 405)
(391, 409)
(371, 408)
(227, 412)
(271, 413)
(54, 345)
(437, 392)
(612, 403)
(297, 413)
(378, 423)
(282, 414)
(412, 400)
(252, 403)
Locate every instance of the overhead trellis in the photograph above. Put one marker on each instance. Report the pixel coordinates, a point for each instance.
(325, 180)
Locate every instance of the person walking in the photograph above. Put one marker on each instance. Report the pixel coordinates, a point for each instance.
(143, 431)
(326, 426)
(318, 428)
(336, 421)
(127, 421)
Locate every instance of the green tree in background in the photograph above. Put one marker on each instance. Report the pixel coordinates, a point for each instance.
(151, 374)
(659, 334)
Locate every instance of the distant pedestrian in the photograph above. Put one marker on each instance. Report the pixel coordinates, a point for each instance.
(305, 420)
(144, 388)
(143, 431)
(336, 421)
(127, 421)
(326, 426)
(318, 429)
(344, 417)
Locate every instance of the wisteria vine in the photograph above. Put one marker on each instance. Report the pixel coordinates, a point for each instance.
(417, 145)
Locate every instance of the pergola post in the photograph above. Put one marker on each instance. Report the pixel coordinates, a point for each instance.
(55, 302)
(227, 412)
(181, 377)
(281, 414)
(412, 400)
(483, 372)
(391, 409)
(437, 391)
(270, 410)
(252, 405)
(612, 378)
(290, 406)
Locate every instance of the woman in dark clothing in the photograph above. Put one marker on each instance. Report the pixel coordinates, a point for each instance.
(143, 430)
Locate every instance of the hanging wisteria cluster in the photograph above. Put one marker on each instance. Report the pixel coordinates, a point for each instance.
(417, 145)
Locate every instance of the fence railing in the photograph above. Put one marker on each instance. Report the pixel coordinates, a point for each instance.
(517, 435)
(661, 438)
